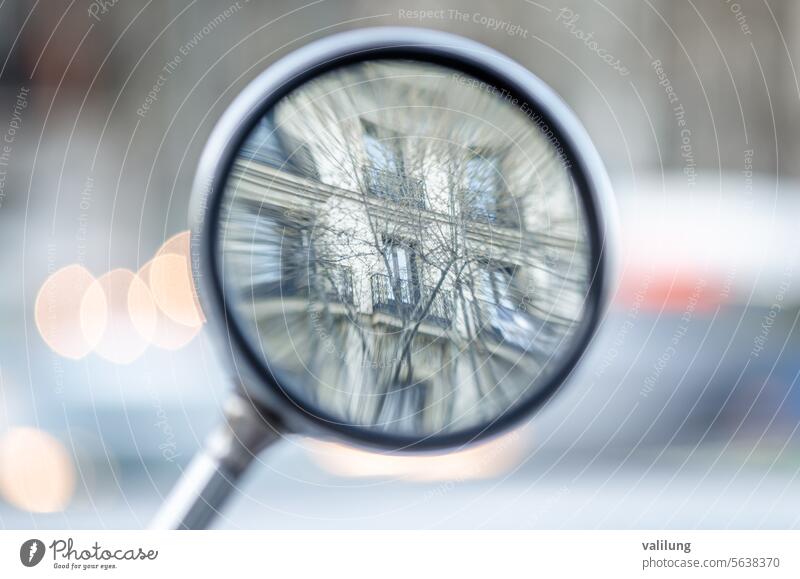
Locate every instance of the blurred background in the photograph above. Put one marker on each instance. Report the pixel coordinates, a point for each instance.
(685, 411)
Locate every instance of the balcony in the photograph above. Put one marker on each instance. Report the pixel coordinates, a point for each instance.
(401, 298)
(395, 186)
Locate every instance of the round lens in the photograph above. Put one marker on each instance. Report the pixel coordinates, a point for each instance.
(404, 248)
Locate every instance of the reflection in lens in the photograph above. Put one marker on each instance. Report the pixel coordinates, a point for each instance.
(405, 247)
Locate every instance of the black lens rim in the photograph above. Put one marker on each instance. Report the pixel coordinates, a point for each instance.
(257, 380)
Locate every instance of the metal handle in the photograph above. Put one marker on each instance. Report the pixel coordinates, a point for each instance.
(212, 475)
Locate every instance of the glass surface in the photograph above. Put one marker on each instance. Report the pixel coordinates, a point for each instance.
(405, 247)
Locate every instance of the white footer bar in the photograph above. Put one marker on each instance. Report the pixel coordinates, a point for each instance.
(399, 554)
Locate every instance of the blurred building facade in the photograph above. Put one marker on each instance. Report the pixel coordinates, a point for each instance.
(393, 218)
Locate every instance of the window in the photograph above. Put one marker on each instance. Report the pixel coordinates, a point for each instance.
(496, 285)
(383, 148)
(398, 290)
(501, 315)
(272, 250)
(271, 146)
(403, 270)
(385, 171)
(483, 185)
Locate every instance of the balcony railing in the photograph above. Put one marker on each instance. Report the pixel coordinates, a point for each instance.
(395, 186)
(402, 298)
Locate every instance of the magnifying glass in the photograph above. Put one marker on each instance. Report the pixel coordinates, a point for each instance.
(400, 238)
